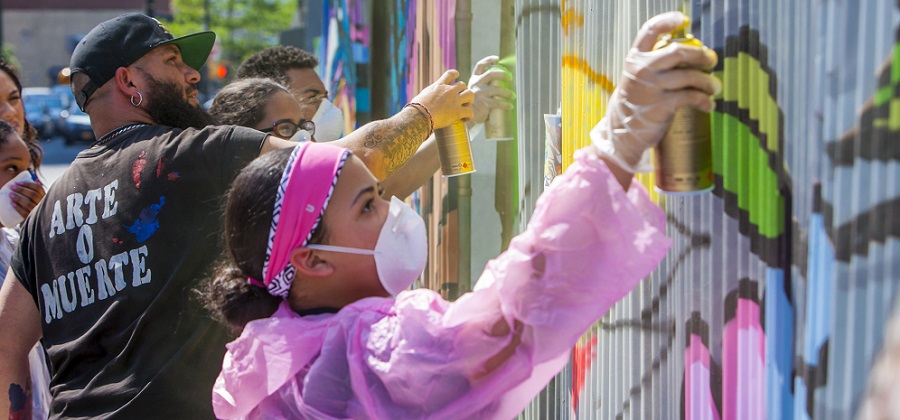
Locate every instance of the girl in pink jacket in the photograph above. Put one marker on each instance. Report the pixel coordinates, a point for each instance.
(319, 266)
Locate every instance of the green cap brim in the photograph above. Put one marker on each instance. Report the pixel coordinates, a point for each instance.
(195, 48)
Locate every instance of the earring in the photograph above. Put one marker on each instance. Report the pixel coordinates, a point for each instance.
(140, 99)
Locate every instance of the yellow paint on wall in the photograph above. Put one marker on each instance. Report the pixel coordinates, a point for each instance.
(574, 62)
(583, 104)
(569, 17)
(585, 94)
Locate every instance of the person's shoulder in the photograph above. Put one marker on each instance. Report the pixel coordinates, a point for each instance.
(224, 146)
(239, 144)
(220, 132)
(205, 132)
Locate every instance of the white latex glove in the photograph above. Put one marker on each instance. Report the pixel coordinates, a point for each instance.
(653, 85)
(488, 97)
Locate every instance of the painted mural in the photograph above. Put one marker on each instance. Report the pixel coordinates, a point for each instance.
(344, 59)
(772, 303)
(796, 248)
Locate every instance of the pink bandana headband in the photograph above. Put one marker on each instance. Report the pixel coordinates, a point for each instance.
(306, 186)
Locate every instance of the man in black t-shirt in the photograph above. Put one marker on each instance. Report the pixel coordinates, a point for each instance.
(107, 261)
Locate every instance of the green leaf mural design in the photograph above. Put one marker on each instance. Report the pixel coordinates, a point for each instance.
(747, 129)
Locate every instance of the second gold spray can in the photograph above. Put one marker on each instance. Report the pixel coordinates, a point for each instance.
(500, 124)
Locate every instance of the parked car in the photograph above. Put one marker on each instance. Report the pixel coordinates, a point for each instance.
(45, 110)
(37, 114)
(78, 126)
(64, 92)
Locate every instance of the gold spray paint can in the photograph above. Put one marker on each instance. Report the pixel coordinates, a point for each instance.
(498, 126)
(454, 149)
(682, 161)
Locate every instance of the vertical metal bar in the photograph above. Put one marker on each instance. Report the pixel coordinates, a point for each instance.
(506, 197)
(463, 21)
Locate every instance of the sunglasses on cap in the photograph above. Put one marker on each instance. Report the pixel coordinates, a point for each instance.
(287, 128)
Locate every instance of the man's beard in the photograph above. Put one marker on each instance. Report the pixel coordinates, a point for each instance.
(167, 105)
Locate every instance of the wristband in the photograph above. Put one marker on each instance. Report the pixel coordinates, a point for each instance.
(421, 107)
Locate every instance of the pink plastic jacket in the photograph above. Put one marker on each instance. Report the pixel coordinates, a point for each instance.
(418, 356)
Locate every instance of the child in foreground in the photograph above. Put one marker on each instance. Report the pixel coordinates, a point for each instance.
(20, 192)
(315, 255)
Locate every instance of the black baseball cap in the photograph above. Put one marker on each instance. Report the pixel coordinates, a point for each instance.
(120, 41)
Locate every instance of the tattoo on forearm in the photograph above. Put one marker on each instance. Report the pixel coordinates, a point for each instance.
(19, 402)
(398, 138)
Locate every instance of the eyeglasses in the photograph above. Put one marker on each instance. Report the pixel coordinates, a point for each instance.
(287, 128)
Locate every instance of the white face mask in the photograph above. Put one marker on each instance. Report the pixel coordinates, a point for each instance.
(401, 250)
(9, 216)
(329, 122)
(301, 136)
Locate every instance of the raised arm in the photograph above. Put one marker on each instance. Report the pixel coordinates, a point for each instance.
(653, 85)
(20, 329)
(425, 162)
(387, 145)
(489, 96)
(589, 242)
(417, 170)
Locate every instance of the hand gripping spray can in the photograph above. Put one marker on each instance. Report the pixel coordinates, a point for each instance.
(500, 124)
(682, 161)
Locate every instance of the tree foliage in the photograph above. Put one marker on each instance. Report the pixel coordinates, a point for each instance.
(242, 27)
(8, 54)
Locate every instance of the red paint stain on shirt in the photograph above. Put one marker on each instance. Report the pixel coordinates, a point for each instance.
(161, 166)
(137, 168)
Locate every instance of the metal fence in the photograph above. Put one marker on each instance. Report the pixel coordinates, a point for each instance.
(773, 300)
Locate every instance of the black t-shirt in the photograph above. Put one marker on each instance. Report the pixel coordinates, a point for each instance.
(111, 256)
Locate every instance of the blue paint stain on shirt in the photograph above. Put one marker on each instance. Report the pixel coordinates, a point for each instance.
(147, 224)
(17, 399)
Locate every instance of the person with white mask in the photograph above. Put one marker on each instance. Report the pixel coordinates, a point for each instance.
(134, 222)
(330, 121)
(269, 106)
(295, 69)
(319, 264)
(265, 105)
(19, 194)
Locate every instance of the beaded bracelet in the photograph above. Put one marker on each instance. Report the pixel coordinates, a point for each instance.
(417, 105)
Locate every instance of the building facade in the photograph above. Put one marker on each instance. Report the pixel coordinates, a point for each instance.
(43, 33)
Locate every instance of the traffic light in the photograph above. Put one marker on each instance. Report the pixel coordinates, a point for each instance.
(221, 71)
(216, 70)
